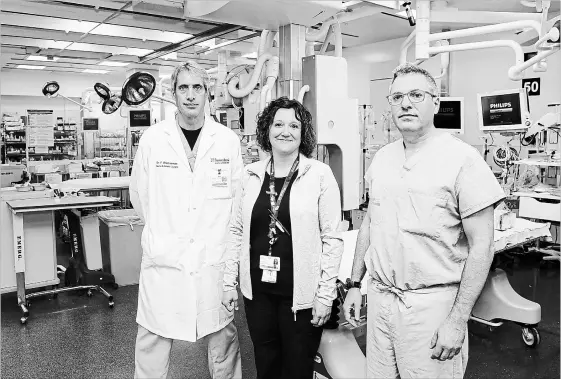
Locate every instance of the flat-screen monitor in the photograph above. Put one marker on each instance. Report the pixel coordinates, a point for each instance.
(503, 111)
(450, 116)
(139, 117)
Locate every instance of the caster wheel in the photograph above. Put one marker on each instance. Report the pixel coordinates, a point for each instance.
(111, 304)
(23, 320)
(115, 286)
(531, 337)
(89, 293)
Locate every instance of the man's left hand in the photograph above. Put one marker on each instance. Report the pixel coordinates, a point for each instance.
(448, 340)
(320, 313)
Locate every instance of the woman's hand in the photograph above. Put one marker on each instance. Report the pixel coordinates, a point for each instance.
(230, 300)
(320, 313)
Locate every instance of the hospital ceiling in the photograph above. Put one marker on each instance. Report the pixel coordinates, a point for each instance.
(115, 36)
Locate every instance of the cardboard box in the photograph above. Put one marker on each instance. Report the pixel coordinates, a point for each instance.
(53, 178)
(80, 175)
(10, 173)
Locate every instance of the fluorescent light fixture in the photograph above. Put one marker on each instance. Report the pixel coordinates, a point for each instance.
(41, 58)
(90, 71)
(137, 52)
(225, 43)
(209, 43)
(250, 55)
(172, 55)
(27, 67)
(114, 64)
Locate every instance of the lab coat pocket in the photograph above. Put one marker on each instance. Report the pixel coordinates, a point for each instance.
(421, 213)
(165, 251)
(215, 253)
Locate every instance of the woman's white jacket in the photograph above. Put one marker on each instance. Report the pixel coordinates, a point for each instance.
(315, 214)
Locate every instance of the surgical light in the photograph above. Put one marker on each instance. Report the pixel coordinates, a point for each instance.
(102, 90)
(51, 88)
(111, 104)
(138, 88)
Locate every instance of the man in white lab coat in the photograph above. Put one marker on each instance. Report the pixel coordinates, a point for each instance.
(184, 181)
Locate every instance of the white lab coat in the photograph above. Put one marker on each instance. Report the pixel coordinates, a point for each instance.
(186, 213)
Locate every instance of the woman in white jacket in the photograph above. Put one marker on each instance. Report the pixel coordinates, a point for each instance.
(284, 244)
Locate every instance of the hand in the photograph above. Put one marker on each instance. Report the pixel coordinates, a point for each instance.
(320, 313)
(448, 340)
(230, 300)
(352, 305)
(552, 255)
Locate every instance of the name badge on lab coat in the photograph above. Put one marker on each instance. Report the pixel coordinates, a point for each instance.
(220, 180)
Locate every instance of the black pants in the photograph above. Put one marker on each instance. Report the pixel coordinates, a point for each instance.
(284, 348)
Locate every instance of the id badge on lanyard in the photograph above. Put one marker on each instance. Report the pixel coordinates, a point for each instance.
(269, 264)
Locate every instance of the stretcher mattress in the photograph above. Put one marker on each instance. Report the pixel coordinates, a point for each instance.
(523, 231)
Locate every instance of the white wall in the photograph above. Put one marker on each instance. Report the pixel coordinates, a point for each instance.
(473, 72)
(358, 79)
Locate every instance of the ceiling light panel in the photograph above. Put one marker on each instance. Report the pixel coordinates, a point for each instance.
(41, 58)
(91, 71)
(27, 67)
(77, 26)
(48, 23)
(44, 44)
(138, 33)
(114, 64)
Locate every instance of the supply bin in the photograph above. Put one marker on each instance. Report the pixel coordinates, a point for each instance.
(120, 232)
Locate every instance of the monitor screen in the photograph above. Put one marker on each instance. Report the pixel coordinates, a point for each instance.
(501, 109)
(450, 115)
(139, 117)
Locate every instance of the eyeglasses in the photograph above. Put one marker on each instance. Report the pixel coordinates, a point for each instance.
(197, 88)
(415, 96)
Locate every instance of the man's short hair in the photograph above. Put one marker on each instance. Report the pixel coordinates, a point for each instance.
(192, 68)
(409, 68)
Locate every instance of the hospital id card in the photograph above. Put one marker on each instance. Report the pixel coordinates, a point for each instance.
(266, 262)
(269, 276)
(220, 177)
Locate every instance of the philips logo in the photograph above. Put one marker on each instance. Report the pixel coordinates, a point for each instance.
(501, 105)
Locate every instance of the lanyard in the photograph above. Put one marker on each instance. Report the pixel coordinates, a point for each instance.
(275, 203)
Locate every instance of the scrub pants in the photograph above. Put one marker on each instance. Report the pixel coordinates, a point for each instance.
(153, 351)
(284, 346)
(401, 325)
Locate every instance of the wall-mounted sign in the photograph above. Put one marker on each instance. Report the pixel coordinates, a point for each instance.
(532, 86)
(41, 136)
(139, 117)
(90, 124)
(40, 117)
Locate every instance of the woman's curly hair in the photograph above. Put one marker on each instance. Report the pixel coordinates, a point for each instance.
(266, 118)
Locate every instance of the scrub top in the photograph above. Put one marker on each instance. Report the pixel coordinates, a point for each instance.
(416, 210)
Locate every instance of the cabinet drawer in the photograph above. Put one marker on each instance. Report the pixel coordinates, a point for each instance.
(548, 210)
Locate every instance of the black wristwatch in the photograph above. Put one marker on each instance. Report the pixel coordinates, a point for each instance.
(354, 284)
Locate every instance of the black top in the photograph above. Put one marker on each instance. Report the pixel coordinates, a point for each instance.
(259, 240)
(191, 136)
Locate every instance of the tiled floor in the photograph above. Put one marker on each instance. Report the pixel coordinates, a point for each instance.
(79, 337)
